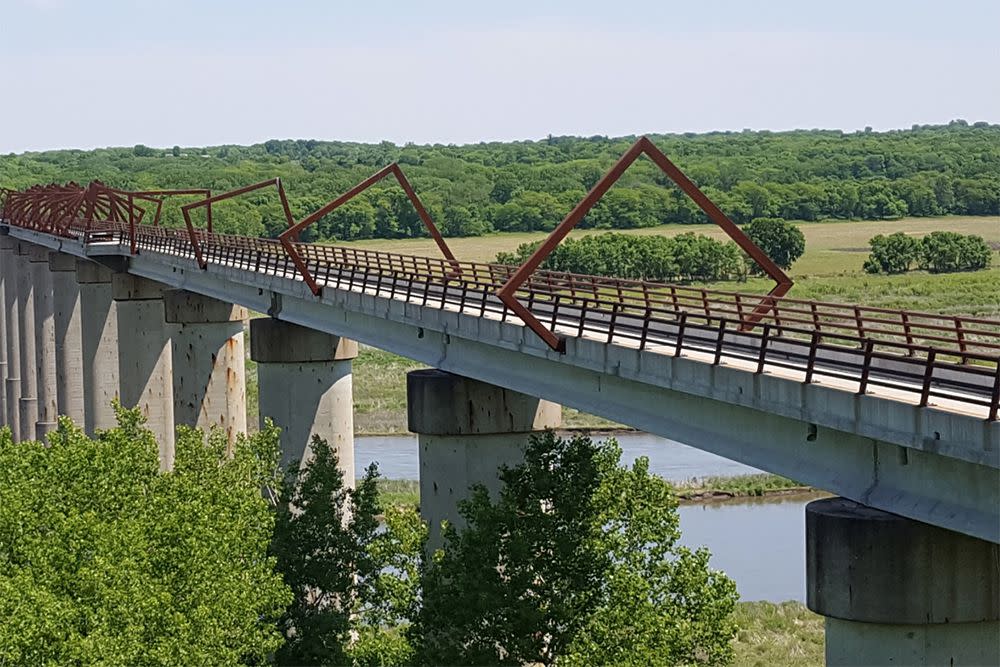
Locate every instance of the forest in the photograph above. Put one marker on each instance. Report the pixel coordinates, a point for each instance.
(476, 189)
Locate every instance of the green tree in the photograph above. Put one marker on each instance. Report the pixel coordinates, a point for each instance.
(945, 252)
(354, 585)
(176, 151)
(891, 254)
(575, 563)
(780, 240)
(107, 560)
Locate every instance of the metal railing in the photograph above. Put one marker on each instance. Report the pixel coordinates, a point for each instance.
(925, 355)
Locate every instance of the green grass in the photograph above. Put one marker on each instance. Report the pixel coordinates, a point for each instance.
(407, 491)
(740, 486)
(778, 635)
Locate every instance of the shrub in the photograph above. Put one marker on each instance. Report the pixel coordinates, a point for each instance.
(945, 252)
(891, 254)
(780, 240)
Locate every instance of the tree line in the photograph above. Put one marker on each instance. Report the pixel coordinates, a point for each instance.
(104, 559)
(938, 252)
(531, 185)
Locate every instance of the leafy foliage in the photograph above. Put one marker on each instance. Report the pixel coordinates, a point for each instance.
(892, 254)
(576, 563)
(780, 240)
(532, 185)
(106, 560)
(945, 252)
(354, 585)
(683, 257)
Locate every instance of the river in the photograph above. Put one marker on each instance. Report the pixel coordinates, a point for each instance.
(758, 542)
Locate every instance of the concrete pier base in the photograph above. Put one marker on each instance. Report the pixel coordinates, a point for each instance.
(145, 359)
(466, 430)
(28, 404)
(12, 379)
(45, 344)
(3, 337)
(899, 592)
(209, 362)
(68, 337)
(99, 344)
(304, 379)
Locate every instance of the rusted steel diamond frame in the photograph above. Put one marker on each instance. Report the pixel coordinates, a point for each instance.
(508, 293)
(290, 236)
(208, 201)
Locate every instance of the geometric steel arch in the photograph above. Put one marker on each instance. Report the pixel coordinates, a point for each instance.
(507, 293)
(291, 235)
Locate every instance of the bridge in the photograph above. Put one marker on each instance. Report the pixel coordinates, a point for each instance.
(893, 411)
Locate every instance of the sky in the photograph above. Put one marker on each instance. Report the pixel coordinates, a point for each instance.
(93, 73)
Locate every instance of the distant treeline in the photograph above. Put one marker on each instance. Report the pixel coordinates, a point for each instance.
(531, 185)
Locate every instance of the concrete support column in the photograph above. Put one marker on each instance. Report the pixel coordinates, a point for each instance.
(28, 404)
(304, 379)
(466, 430)
(69, 340)
(99, 345)
(209, 362)
(45, 344)
(12, 382)
(145, 360)
(899, 592)
(3, 335)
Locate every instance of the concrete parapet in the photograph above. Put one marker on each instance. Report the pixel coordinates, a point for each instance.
(466, 430)
(99, 345)
(209, 362)
(305, 384)
(897, 591)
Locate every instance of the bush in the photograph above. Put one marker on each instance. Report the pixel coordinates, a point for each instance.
(107, 560)
(686, 256)
(780, 240)
(576, 563)
(891, 254)
(945, 252)
(355, 584)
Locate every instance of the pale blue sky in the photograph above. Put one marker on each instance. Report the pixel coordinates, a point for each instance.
(92, 73)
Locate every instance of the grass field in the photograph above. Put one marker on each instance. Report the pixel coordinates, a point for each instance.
(778, 635)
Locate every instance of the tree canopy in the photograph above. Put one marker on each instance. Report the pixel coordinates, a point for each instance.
(531, 185)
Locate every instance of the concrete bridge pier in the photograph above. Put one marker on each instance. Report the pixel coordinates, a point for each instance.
(209, 362)
(99, 345)
(11, 382)
(466, 430)
(28, 403)
(899, 592)
(45, 344)
(305, 386)
(68, 341)
(145, 359)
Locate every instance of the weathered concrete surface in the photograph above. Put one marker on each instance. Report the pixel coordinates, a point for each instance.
(209, 362)
(45, 344)
(12, 352)
(28, 405)
(466, 430)
(928, 464)
(305, 386)
(145, 358)
(99, 345)
(68, 337)
(4, 259)
(897, 591)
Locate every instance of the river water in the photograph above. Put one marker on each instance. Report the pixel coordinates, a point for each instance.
(760, 542)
